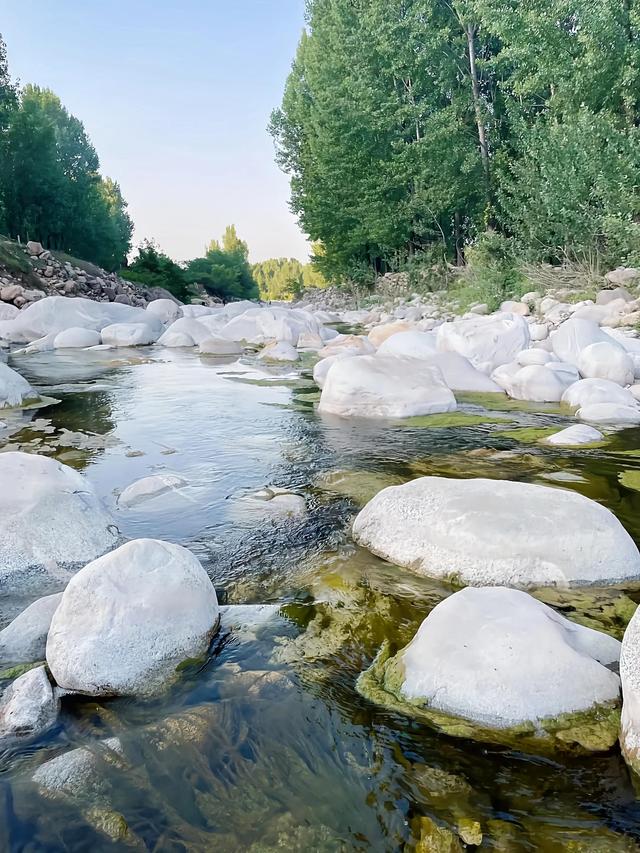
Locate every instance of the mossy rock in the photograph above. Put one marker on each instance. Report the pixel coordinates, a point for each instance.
(428, 837)
(630, 480)
(594, 730)
(16, 671)
(358, 486)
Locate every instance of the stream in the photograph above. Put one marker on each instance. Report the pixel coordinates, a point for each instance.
(266, 745)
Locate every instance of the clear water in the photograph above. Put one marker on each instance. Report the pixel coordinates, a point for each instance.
(267, 745)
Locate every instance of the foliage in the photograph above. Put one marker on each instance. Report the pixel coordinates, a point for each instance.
(152, 268)
(285, 278)
(50, 186)
(493, 273)
(224, 271)
(408, 125)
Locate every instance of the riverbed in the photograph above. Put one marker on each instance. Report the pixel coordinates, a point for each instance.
(266, 745)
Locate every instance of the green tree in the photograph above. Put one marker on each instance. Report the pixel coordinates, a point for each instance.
(151, 267)
(224, 271)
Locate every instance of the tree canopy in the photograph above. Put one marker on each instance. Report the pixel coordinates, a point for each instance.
(51, 189)
(153, 268)
(285, 278)
(410, 126)
(224, 271)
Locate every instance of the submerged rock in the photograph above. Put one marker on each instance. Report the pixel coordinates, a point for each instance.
(14, 389)
(630, 678)
(384, 387)
(129, 618)
(279, 351)
(25, 639)
(150, 487)
(485, 532)
(216, 345)
(28, 707)
(495, 664)
(51, 515)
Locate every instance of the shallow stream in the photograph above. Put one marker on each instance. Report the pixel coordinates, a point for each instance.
(266, 745)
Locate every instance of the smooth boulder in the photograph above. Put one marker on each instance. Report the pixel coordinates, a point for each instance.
(384, 387)
(129, 334)
(14, 389)
(587, 392)
(574, 436)
(486, 341)
(483, 532)
(150, 487)
(128, 619)
(606, 360)
(76, 338)
(496, 664)
(630, 678)
(28, 707)
(51, 515)
(24, 640)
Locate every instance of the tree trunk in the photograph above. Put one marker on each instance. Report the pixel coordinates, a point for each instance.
(470, 30)
(457, 235)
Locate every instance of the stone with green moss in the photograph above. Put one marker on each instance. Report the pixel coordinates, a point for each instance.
(16, 671)
(428, 837)
(528, 435)
(630, 480)
(358, 486)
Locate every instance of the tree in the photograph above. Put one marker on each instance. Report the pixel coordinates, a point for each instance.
(151, 267)
(224, 271)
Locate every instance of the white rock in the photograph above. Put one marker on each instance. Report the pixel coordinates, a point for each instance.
(623, 275)
(14, 390)
(500, 658)
(586, 392)
(150, 487)
(379, 334)
(216, 345)
(484, 532)
(129, 335)
(534, 356)
(604, 297)
(409, 344)
(51, 514)
(605, 360)
(129, 618)
(54, 314)
(630, 677)
(279, 351)
(321, 368)
(384, 387)
(185, 332)
(76, 338)
(24, 640)
(166, 310)
(538, 384)
(574, 336)
(28, 707)
(349, 345)
(574, 436)
(486, 341)
(8, 312)
(538, 331)
(511, 307)
(634, 390)
(609, 413)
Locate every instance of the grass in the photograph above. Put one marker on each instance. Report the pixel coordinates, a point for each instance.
(13, 258)
(87, 266)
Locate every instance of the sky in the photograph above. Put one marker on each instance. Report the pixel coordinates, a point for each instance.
(176, 97)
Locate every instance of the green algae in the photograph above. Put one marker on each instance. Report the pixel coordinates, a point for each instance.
(358, 486)
(528, 435)
(499, 402)
(445, 420)
(603, 609)
(630, 480)
(594, 730)
(20, 669)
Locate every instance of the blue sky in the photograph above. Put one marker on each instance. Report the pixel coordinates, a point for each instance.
(176, 96)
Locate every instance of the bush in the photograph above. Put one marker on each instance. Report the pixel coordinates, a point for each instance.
(493, 272)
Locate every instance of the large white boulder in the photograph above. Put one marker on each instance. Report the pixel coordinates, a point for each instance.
(486, 341)
(24, 640)
(606, 360)
(379, 334)
(409, 344)
(7, 312)
(573, 336)
(50, 515)
(347, 345)
(56, 313)
(279, 351)
(609, 413)
(166, 310)
(28, 707)
(129, 334)
(216, 345)
(379, 387)
(574, 436)
(538, 383)
(586, 392)
(502, 660)
(630, 677)
(127, 619)
(483, 532)
(321, 368)
(184, 332)
(14, 389)
(76, 338)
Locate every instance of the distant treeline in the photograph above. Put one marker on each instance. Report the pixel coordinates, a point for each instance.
(51, 189)
(411, 128)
